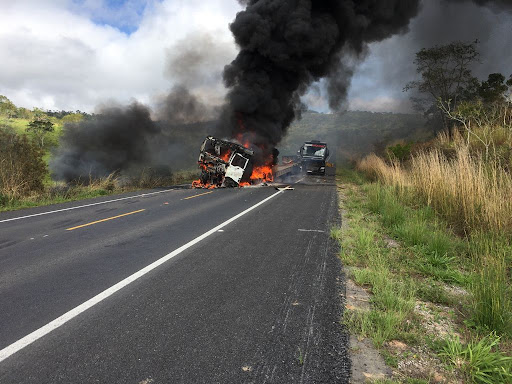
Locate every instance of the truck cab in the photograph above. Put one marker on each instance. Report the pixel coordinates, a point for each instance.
(223, 163)
(313, 156)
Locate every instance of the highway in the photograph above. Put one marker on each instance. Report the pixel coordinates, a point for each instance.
(175, 285)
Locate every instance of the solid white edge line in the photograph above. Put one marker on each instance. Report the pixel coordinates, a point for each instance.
(44, 330)
(85, 205)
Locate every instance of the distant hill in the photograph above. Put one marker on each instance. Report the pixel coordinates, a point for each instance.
(349, 135)
(353, 134)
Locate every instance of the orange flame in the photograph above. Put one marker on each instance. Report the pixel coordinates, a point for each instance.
(263, 173)
(225, 156)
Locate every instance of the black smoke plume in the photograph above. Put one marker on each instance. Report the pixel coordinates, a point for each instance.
(286, 45)
(128, 140)
(133, 138)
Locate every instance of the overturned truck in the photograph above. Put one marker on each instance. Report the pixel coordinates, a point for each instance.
(224, 164)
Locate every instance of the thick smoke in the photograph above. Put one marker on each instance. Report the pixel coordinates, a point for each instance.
(118, 138)
(286, 45)
(129, 139)
(497, 5)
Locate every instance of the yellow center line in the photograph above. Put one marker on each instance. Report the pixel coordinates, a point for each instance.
(201, 194)
(101, 221)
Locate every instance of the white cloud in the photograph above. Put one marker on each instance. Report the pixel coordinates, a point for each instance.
(56, 58)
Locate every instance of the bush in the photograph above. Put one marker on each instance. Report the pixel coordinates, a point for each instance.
(22, 169)
(400, 152)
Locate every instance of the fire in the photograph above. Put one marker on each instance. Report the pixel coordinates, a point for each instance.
(260, 174)
(244, 141)
(213, 170)
(263, 173)
(225, 156)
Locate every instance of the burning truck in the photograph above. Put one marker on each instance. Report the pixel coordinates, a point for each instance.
(228, 164)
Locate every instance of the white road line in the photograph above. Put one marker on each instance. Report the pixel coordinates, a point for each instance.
(311, 230)
(44, 330)
(85, 205)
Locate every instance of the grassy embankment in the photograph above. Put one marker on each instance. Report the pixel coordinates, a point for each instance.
(20, 160)
(431, 240)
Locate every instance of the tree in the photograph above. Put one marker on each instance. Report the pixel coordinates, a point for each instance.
(445, 75)
(509, 85)
(7, 107)
(494, 89)
(40, 126)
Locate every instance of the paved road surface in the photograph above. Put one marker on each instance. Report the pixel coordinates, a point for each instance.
(255, 301)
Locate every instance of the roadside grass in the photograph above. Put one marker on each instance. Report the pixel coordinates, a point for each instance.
(478, 360)
(55, 193)
(59, 192)
(403, 253)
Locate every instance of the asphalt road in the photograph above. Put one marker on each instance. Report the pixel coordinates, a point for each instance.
(251, 298)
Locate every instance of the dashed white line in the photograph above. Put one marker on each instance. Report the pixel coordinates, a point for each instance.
(44, 330)
(85, 205)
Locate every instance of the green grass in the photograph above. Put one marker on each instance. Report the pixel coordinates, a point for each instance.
(300, 356)
(12, 205)
(479, 360)
(377, 325)
(433, 292)
(428, 256)
(491, 304)
(18, 125)
(350, 176)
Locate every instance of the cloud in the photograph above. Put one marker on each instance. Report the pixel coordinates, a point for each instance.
(77, 54)
(55, 57)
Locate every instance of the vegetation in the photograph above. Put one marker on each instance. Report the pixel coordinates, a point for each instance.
(40, 126)
(22, 169)
(353, 134)
(479, 361)
(426, 283)
(446, 78)
(447, 205)
(26, 141)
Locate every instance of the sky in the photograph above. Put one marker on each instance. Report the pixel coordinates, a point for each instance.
(81, 54)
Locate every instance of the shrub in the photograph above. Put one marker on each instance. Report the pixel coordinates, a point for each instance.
(22, 169)
(400, 152)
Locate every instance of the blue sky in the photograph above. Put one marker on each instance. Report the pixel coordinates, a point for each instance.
(125, 15)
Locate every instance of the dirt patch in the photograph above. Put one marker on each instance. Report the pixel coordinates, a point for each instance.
(367, 363)
(436, 319)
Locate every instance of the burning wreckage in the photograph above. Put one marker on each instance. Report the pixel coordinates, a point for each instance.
(227, 164)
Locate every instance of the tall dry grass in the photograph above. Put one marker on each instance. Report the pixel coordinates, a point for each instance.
(467, 189)
(471, 186)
